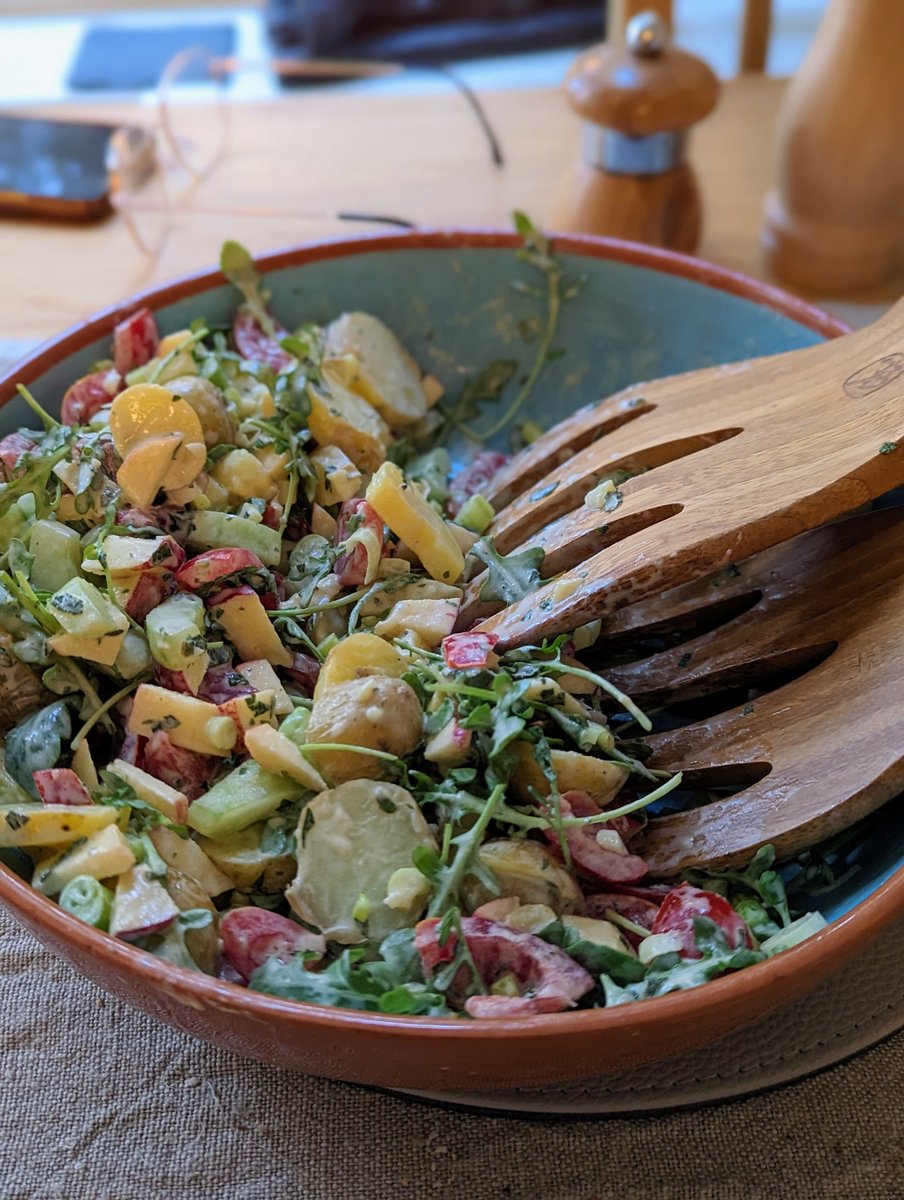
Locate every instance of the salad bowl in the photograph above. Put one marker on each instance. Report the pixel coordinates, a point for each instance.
(640, 314)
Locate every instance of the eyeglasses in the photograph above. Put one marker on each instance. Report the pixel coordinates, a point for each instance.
(195, 96)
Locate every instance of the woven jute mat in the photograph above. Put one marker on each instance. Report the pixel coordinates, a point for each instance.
(99, 1102)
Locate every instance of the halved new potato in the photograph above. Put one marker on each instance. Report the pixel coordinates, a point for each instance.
(378, 366)
(575, 772)
(351, 841)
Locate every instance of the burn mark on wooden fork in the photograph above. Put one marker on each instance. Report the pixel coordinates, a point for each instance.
(565, 487)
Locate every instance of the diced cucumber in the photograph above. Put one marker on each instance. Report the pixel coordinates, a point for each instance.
(172, 628)
(246, 795)
(295, 725)
(795, 933)
(83, 610)
(134, 657)
(58, 555)
(215, 530)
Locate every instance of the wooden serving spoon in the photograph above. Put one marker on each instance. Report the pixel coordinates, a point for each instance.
(818, 751)
(725, 462)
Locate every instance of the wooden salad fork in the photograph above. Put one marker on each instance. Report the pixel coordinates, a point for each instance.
(715, 465)
(814, 627)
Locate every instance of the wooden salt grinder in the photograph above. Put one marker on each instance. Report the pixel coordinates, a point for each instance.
(638, 101)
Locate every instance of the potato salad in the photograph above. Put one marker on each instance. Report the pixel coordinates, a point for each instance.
(245, 731)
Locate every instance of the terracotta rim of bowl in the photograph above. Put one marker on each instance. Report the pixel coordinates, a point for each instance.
(815, 956)
(667, 262)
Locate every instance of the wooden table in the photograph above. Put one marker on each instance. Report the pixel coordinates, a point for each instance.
(295, 161)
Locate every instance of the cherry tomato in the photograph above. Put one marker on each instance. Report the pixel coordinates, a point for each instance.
(135, 341)
(253, 935)
(464, 651)
(684, 903)
(84, 397)
(351, 569)
(550, 980)
(586, 852)
(212, 566)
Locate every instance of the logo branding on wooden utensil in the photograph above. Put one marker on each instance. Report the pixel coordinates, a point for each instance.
(869, 379)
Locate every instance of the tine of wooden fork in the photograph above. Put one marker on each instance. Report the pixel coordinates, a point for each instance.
(700, 538)
(837, 726)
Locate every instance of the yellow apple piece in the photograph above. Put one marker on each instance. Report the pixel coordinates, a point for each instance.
(410, 517)
(245, 622)
(274, 752)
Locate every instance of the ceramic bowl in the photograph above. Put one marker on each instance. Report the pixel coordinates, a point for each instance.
(642, 313)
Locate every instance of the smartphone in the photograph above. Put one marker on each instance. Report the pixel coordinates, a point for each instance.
(62, 169)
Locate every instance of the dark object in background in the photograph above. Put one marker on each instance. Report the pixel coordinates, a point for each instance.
(125, 58)
(429, 31)
(53, 168)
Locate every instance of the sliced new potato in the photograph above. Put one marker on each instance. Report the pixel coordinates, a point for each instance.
(375, 713)
(339, 417)
(575, 772)
(351, 842)
(525, 869)
(385, 374)
(148, 412)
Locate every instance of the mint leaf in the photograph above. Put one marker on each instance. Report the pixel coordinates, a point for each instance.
(510, 577)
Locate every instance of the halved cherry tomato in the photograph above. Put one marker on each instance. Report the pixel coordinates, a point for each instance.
(684, 903)
(135, 341)
(216, 566)
(84, 397)
(351, 569)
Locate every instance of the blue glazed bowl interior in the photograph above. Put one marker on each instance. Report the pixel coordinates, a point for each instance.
(456, 311)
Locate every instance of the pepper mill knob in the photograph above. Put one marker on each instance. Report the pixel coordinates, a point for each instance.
(637, 102)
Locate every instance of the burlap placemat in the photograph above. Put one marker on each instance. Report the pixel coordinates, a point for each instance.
(98, 1102)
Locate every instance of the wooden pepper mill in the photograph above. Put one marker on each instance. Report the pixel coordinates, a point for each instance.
(638, 100)
(835, 221)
